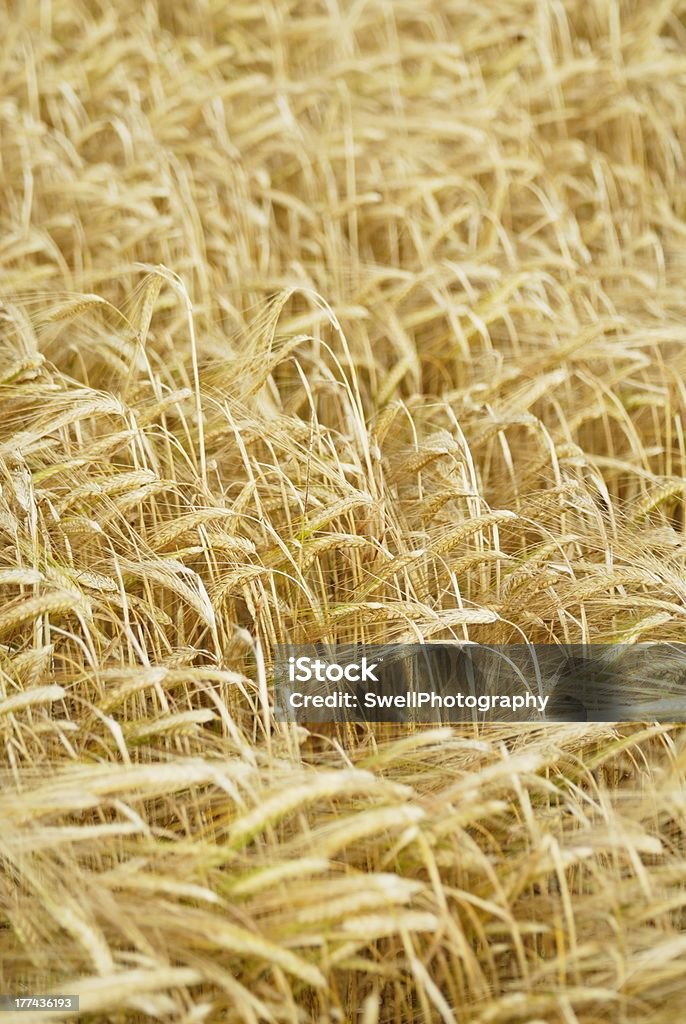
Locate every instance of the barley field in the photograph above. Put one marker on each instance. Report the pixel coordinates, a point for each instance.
(336, 321)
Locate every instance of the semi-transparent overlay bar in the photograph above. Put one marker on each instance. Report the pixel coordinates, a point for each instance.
(458, 682)
(39, 1003)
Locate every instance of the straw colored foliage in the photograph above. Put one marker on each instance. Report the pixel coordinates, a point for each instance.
(336, 320)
